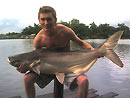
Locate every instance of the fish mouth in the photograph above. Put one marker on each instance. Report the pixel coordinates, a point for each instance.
(9, 61)
(13, 63)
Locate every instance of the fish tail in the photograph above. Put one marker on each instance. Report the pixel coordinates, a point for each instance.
(107, 48)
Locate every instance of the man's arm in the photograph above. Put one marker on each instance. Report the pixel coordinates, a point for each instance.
(36, 42)
(83, 44)
(80, 42)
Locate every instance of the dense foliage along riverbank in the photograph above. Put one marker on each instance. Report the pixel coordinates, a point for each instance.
(92, 31)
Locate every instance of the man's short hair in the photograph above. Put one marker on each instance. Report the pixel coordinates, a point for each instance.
(47, 9)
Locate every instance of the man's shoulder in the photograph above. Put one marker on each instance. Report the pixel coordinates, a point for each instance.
(39, 35)
(63, 28)
(41, 32)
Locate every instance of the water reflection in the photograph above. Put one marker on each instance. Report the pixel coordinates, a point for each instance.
(123, 50)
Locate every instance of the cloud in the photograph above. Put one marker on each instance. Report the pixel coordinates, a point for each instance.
(10, 25)
(127, 23)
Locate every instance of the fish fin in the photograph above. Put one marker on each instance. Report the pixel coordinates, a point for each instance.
(35, 66)
(110, 54)
(112, 41)
(60, 77)
(36, 70)
(107, 48)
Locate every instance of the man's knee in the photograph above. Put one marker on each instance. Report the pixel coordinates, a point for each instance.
(82, 80)
(30, 78)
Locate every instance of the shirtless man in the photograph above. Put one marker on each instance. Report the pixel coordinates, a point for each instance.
(53, 36)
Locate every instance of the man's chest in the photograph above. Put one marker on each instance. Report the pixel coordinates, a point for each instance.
(55, 41)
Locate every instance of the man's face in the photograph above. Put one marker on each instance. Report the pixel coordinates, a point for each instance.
(47, 21)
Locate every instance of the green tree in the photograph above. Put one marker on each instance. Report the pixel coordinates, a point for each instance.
(64, 23)
(126, 30)
(74, 21)
(80, 29)
(93, 30)
(83, 31)
(104, 30)
(31, 29)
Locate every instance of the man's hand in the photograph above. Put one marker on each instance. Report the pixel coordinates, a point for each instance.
(24, 67)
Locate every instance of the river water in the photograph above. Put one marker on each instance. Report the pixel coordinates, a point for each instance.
(104, 76)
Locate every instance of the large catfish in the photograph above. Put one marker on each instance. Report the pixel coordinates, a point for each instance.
(77, 62)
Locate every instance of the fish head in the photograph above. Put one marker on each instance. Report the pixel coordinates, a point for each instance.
(17, 60)
(14, 62)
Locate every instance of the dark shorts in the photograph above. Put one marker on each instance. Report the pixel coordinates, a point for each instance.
(70, 80)
(45, 79)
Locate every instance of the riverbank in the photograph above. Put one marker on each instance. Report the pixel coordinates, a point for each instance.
(16, 36)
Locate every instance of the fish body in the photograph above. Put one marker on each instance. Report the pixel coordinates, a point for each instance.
(76, 62)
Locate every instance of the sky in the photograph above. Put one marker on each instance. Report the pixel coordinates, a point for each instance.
(15, 15)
